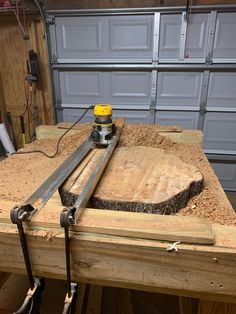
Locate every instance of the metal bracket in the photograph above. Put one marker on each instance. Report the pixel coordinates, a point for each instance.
(58, 102)
(202, 110)
(54, 59)
(183, 37)
(203, 99)
(152, 107)
(59, 108)
(156, 37)
(50, 19)
(211, 36)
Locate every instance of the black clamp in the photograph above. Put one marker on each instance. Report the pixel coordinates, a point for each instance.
(33, 298)
(21, 213)
(67, 219)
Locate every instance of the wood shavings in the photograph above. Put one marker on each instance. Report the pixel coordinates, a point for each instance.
(21, 175)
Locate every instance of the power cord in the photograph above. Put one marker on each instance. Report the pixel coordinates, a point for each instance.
(59, 141)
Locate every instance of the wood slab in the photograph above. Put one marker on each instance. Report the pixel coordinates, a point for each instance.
(140, 179)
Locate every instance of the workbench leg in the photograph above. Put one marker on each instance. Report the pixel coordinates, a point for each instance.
(214, 307)
(188, 305)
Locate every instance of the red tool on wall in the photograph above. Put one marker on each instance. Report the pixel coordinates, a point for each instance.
(8, 3)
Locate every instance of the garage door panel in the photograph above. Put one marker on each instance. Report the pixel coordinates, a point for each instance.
(219, 133)
(178, 89)
(197, 31)
(226, 174)
(82, 87)
(79, 37)
(71, 115)
(170, 30)
(100, 39)
(187, 120)
(131, 85)
(127, 35)
(89, 34)
(222, 91)
(130, 116)
(121, 89)
(225, 36)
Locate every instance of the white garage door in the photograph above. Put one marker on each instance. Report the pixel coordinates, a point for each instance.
(153, 68)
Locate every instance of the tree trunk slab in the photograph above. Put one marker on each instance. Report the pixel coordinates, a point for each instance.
(140, 179)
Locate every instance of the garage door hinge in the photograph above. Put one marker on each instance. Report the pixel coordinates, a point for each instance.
(50, 20)
(152, 106)
(209, 58)
(58, 108)
(54, 58)
(202, 110)
(58, 104)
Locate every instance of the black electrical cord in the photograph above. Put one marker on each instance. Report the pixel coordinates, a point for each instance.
(187, 10)
(59, 141)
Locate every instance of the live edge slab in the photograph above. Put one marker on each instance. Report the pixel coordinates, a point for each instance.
(181, 255)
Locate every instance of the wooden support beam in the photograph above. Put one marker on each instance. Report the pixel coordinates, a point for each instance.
(195, 270)
(94, 300)
(188, 305)
(13, 292)
(120, 301)
(3, 278)
(81, 298)
(124, 303)
(212, 307)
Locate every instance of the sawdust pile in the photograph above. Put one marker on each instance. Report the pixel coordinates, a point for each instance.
(143, 135)
(21, 175)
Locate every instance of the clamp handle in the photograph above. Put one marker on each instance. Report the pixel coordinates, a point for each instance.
(33, 298)
(70, 300)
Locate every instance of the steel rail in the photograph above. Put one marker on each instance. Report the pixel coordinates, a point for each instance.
(188, 67)
(45, 191)
(70, 215)
(149, 10)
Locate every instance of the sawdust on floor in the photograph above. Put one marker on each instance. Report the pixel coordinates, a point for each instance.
(21, 174)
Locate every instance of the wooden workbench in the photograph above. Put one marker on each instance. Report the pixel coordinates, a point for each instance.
(128, 250)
